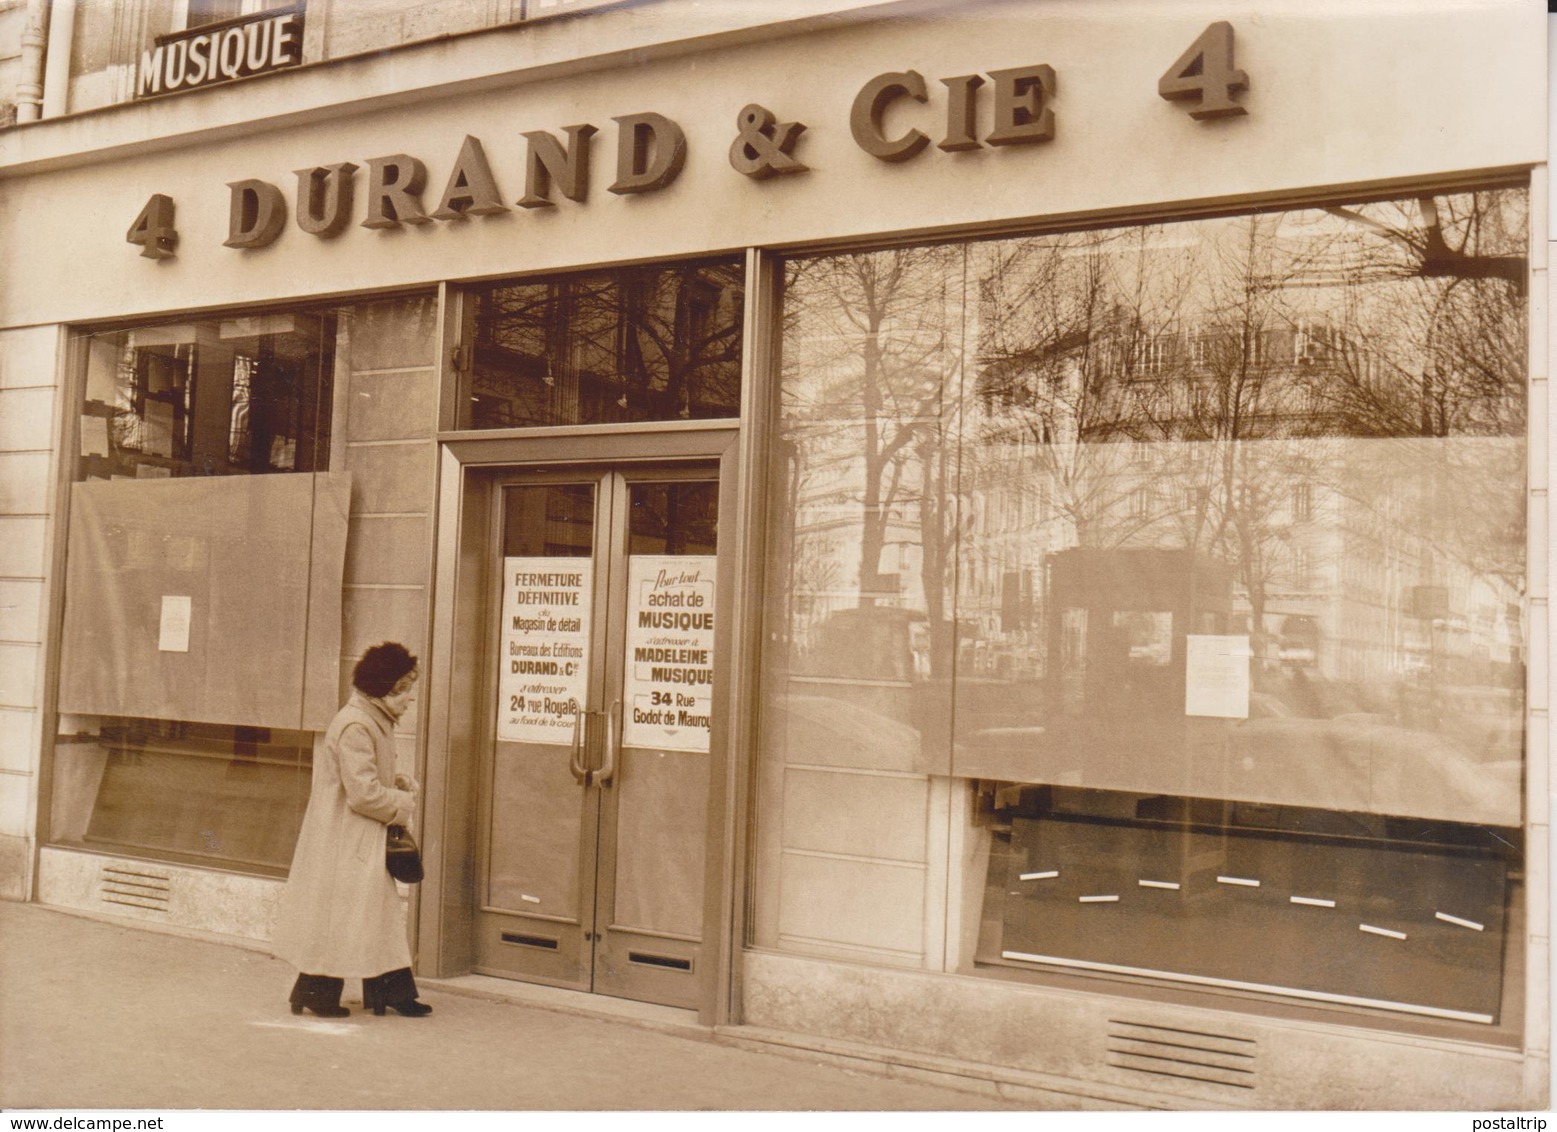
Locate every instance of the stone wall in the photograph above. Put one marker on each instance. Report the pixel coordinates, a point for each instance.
(385, 424)
(28, 411)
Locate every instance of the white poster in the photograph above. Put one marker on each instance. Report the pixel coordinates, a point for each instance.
(667, 692)
(544, 666)
(177, 612)
(1216, 676)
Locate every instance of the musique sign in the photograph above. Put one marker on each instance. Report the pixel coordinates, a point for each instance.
(217, 53)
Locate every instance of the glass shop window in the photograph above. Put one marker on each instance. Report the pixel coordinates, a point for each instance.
(201, 586)
(194, 792)
(1240, 705)
(217, 397)
(658, 343)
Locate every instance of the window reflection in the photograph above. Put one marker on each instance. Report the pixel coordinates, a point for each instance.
(193, 792)
(677, 517)
(233, 396)
(630, 344)
(1228, 509)
(549, 520)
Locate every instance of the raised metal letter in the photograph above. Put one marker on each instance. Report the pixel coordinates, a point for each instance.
(257, 215)
(650, 151)
(394, 191)
(324, 198)
(1022, 113)
(761, 149)
(545, 159)
(961, 113)
(471, 188)
(870, 106)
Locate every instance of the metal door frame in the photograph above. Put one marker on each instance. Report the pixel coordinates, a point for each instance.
(483, 751)
(471, 465)
(643, 967)
(649, 959)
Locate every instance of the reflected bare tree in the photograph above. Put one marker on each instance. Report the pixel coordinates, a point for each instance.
(1239, 352)
(1447, 361)
(872, 369)
(1329, 401)
(1137, 366)
(629, 344)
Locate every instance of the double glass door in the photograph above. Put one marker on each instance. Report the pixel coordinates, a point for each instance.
(595, 777)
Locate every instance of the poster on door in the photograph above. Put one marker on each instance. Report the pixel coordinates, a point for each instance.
(667, 691)
(544, 662)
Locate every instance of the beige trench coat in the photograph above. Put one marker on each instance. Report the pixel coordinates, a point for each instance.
(340, 914)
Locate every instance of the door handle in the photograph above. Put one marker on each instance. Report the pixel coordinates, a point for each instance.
(575, 761)
(603, 775)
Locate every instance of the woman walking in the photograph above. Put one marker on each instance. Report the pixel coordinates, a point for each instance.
(340, 916)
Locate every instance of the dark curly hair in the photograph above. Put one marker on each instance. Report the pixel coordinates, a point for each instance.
(381, 668)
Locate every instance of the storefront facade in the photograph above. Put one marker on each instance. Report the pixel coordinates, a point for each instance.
(1022, 555)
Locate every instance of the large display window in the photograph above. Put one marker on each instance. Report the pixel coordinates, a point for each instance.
(1150, 601)
(202, 626)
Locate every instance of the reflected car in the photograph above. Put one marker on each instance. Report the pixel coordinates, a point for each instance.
(1359, 762)
(831, 730)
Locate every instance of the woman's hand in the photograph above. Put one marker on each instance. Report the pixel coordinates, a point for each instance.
(406, 782)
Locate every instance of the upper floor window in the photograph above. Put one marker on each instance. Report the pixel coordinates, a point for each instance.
(203, 12)
(534, 9)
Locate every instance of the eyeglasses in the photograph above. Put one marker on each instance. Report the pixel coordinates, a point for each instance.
(404, 684)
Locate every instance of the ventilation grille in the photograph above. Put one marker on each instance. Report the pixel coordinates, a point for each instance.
(1191, 1055)
(134, 888)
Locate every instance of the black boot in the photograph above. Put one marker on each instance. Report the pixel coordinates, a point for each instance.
(319, 993)
(393, 990)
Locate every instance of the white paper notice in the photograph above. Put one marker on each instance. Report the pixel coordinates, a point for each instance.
(667, 692)
(1216, 676)
(544, 666)
(176, 614)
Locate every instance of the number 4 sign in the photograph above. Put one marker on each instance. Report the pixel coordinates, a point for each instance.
(153, 229)
(1206, 72)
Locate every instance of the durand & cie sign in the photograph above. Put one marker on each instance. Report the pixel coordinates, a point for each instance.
(650, 148)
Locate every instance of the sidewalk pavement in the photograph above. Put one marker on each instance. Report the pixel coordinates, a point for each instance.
(98, 1015)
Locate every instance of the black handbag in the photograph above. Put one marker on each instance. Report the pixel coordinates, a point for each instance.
(401, 856)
